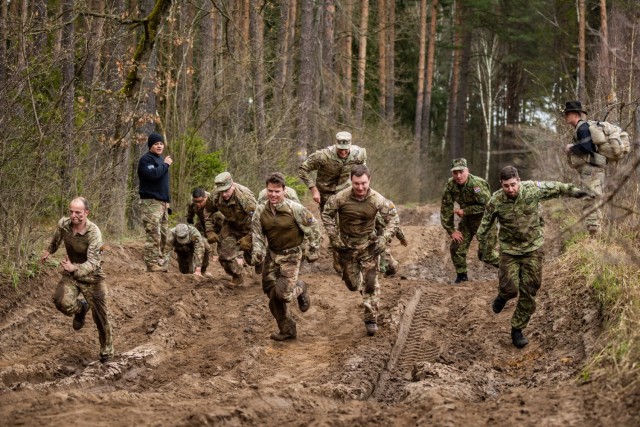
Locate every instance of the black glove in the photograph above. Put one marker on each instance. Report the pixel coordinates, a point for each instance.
(169, 211)
(189, 220)
(480, 254)
(583, 194)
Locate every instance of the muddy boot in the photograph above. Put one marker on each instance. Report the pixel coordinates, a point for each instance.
(78, 318)
(336, 265)
(372, 328)
(498, 304)
(237, 279)
(517, 338)
(461, 277)
(105, 358)
(392, 268)
(304, 302)
(287, 333)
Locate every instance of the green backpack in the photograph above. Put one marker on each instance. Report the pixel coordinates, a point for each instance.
(611, 141)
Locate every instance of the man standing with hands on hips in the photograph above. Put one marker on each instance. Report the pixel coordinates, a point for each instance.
(153, 173)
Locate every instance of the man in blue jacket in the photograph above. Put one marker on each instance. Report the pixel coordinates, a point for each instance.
(153, 173)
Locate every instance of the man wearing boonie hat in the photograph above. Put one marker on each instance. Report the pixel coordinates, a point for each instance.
(191, 249)
(471, 193)
(333, 171)
(583, 157)
(153, 173)
(237, 203)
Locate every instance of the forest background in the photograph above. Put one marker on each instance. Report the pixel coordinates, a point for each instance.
(253, 86)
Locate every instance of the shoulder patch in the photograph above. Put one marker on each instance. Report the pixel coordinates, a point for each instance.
(151, 167)
(477, 189)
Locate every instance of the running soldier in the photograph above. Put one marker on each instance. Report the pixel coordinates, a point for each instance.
(199, 198)
(517, 208)
(82, 273)
(471, 193)
(192, 250)
(289, 193)
(333, 167)
(350, 220)
(237, 203)
(279, 227)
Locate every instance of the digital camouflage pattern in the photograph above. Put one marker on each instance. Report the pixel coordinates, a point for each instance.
(357, 242)
(194, 253)
(521, 225)
(289, 193)
(520, 276)
(155, 220)
(333, 174)
(84, 251)
(238, 212)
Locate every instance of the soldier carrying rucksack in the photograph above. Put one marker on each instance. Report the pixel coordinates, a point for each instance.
(595, 144)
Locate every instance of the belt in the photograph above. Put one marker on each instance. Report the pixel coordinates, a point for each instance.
(294, 250)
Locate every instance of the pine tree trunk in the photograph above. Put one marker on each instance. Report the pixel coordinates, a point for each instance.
(362, 62)
(582, 51)
(328, 53)
(283, 54)
(257, 61)
(305, 83)
(452, 110)
(347, 61)
(4, 9)
(382, 56)
(421, 73)
(68, 89)
(425, 132)
(391, 56)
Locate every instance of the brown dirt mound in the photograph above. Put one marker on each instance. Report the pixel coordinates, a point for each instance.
(197, 352)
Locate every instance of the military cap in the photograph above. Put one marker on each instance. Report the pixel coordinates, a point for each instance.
(223, 181)
(458, 164)
(343, 140)
(575, 106)
(182, 233)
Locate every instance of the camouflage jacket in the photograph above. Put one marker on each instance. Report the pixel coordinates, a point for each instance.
(195, 246)
(521, 223)
(472, 198)
(380, 225)
(304, 219)
(192, 211)
(237, 211)
(354, 221)
(289, 193)
(333, 173)
(83, 250)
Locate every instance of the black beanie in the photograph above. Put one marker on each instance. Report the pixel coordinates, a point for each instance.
(153, 138)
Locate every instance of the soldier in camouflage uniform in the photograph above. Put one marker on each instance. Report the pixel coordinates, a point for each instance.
(199, 198)
(237, 203)
(333, 167)
(471, 193)
(153, 173)
(279, 227)
(583, 157)
(350, 220)
(388, 265)
(192, 250)
(517, 207)
(289, 193)
(82, 273)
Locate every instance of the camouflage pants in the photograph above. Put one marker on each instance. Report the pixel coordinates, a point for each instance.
(468, 226)
(155, 219)
(229, 251)
(187, 260)
(387, 264)
(280, 283)
(592, 178)
(65, 299)
(521, 276)
(359, 273)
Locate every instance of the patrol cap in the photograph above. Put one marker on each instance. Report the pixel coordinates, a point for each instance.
(182, 233)
(343, 140)
(223, 181)
(458, 164)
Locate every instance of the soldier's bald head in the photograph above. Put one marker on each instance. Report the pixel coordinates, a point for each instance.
(80, 201)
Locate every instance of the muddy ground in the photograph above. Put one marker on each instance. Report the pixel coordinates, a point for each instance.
(197, 351)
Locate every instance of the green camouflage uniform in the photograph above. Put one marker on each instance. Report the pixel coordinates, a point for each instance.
(289, 193)
(83, 251)
(472, 197)
(351, 226)
(238, 212)
(194, 253)
(333, 174)
(277, 237)
(193, 211)
(155, 217)
(388, 264)
(591, 178)
(521, 237)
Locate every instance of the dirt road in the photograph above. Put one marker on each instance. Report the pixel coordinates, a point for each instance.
(197, 352)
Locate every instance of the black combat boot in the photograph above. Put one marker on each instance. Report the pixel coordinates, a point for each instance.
(304, 302)
(498, 304)
(288, 332)
(461, 277)
(78, 318)
(372, 328)
(517, 338)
